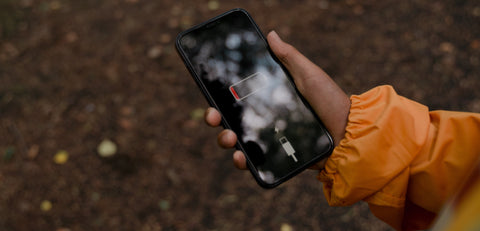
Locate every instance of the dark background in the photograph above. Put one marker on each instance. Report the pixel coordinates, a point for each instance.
(74, 73)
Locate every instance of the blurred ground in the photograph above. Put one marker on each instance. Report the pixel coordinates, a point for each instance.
(76, 73)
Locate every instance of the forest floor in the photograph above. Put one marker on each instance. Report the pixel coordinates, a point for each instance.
(79, 75)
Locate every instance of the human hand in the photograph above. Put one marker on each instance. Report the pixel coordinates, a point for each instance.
(313, 83)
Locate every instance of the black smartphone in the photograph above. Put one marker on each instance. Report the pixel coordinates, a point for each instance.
(231, 62)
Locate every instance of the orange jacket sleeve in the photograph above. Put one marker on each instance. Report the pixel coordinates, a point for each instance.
(400, 158)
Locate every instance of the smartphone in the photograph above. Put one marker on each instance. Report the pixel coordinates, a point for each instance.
(231, 62)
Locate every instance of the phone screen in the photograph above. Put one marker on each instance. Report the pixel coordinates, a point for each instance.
(230, 60)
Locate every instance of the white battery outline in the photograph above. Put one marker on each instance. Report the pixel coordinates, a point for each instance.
(247, 86)
(288, 147)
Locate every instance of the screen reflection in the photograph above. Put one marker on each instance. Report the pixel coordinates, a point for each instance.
(277, 131)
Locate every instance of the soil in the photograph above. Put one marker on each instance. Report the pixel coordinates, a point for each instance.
(76, 73)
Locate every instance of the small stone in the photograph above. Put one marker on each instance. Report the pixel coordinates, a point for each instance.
(323, 5)
(447, 47)
(358, 10)
(33, 152)
(9, 50)
(107, 148)
(165, 38)
(475, 44)
(26, 3)
(55, 5)
(63, 229)
(476, 11)
(125, 123)
(127, 111)
(71, 37)
(95, 196)
(154, 52)
(173, 23)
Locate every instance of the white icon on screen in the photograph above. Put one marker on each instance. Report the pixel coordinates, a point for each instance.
(288, 148)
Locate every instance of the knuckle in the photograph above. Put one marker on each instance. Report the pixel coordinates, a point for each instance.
(285, 53)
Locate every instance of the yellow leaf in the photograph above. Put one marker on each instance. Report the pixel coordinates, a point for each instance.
(286, 227)
(46, 205)
(197, 114)
(213, 5)
(61, 157)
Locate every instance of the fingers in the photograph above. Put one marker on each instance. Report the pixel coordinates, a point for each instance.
(327, 99)
(239, 160)
(227, 139)
(212, 117)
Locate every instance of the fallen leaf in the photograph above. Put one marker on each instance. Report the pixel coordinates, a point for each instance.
(164, 205)
(197, 114)
(286, 227)
(46, 205)
(9, 152)
(186, 22)
(33, 152)
(213, 5)
(61, 157)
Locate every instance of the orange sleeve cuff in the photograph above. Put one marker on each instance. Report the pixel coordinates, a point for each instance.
(400, 158)
(384, 133)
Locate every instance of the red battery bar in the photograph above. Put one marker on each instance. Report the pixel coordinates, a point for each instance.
(248, 86)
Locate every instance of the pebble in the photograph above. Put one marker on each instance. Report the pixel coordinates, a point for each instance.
(107, 148)
(33, 152)
(154, 52)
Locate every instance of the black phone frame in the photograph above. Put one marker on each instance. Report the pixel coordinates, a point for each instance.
(211, 101)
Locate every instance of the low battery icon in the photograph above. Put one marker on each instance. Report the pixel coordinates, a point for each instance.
(288, 148)
(247, 86)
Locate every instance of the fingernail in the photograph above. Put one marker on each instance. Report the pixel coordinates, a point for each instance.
(229, 137)
(274, 33)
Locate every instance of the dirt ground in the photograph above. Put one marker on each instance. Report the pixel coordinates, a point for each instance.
(76, 73)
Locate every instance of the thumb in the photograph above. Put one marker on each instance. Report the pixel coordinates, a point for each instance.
(307, 75)
(326, 98)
